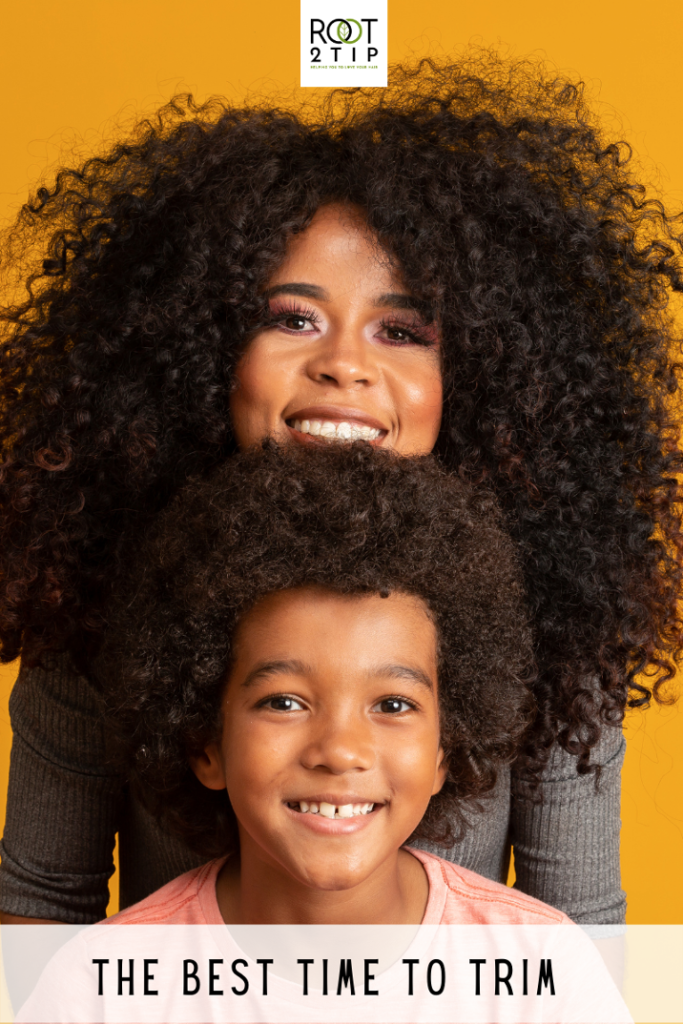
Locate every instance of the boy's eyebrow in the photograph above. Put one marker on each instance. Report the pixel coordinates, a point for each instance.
(300, 668)
(415, 675)
(275, 668)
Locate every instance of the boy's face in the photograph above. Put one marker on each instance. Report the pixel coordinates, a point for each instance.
(331, 704)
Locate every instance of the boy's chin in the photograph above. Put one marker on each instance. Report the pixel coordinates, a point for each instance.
(330, 880)
(332, 873)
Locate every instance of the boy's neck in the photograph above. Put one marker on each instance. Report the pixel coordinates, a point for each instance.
(250, 890)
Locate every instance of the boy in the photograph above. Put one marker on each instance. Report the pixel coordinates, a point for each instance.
(325, 654)
(321, 656)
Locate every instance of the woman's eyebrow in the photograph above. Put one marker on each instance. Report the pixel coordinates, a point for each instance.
(277, 668)
(308, 291)
(397, 300)
(415, 675)
(401, 300)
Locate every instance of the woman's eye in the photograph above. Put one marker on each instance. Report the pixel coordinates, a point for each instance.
(282, 703)
(415, 334)
(295, 323)
(398, 334)
(393, 706)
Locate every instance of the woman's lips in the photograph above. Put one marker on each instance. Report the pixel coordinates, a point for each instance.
(327, 423)
(326, 430)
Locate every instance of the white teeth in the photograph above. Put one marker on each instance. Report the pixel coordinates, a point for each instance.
(332, 811)
(343, 431)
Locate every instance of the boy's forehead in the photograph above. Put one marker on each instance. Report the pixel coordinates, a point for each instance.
(316, 626)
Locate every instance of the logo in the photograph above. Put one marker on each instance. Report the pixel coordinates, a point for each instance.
(349, 48)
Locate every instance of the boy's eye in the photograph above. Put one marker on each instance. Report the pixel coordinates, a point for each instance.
(393, 706)
(282, 702)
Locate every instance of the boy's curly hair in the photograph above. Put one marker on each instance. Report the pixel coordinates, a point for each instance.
(548, 268)
(352, 520)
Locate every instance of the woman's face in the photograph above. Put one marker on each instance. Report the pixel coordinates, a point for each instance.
(348, 354)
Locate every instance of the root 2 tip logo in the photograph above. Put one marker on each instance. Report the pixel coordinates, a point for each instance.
(344, 43)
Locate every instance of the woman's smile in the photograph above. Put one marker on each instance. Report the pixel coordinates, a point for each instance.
(335, 423)
(345, 352)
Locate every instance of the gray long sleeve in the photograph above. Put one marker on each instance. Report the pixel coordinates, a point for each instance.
(65, 806)
(63, 803)
(567, 848)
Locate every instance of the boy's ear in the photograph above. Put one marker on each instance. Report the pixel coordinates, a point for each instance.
(440, 773)
(208, 767)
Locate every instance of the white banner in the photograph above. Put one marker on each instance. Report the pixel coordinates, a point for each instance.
(436, 974)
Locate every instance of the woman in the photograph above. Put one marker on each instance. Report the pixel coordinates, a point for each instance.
(458, 263)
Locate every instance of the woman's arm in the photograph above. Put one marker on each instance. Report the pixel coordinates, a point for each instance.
(63, 803)
(567, 847)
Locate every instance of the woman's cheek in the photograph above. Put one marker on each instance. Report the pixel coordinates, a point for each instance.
(252, 404)
(422, 409)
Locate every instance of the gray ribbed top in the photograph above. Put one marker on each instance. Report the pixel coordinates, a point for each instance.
(65, 806)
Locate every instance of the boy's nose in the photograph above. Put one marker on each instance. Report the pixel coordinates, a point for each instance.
(339, 748)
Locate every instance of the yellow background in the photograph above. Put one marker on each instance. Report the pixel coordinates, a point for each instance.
(71, 72)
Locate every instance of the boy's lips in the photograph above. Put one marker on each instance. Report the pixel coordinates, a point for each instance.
(333, 824)
(333, 807)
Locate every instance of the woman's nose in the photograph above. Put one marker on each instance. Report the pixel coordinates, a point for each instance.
(344, 358)
(339, 747)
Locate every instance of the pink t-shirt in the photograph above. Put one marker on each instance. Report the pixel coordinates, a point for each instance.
(456, 896)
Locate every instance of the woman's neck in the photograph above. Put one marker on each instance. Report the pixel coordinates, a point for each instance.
(251, 890)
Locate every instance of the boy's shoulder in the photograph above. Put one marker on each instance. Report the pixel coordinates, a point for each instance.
(459, 896)
(188, 899)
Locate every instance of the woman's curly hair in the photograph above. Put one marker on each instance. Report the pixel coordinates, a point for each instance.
(352, 520)
(549, 269)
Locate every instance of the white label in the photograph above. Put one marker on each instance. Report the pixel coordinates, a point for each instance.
(344, 45)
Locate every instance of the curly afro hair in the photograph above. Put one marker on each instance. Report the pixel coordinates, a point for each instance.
(548, 267)
(352, 520)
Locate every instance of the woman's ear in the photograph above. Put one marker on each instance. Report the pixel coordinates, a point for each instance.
(440, 773)
(208, 767)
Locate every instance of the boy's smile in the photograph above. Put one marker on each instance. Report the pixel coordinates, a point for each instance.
(330, 753)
